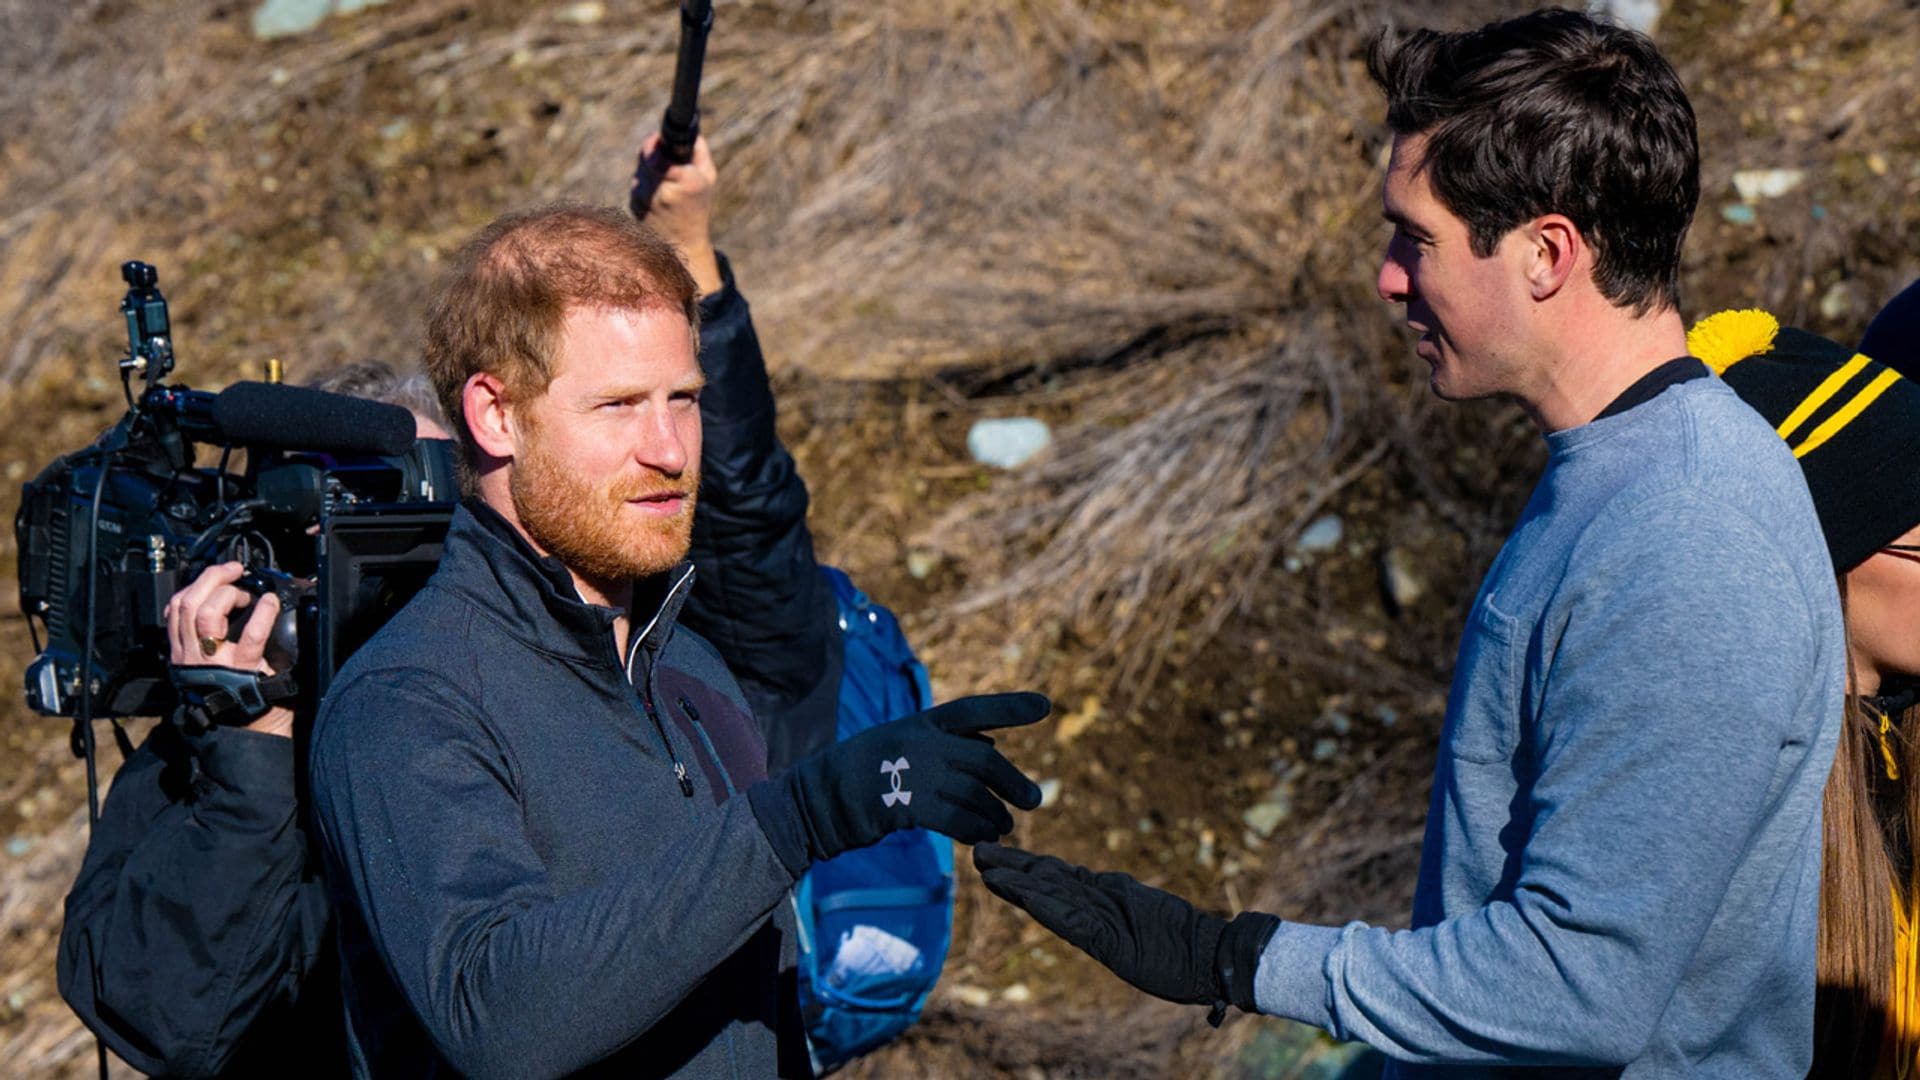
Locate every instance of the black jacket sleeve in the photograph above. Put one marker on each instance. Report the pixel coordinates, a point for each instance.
(759, 596)
(195, 912)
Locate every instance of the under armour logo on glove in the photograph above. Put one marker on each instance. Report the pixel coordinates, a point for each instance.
(893, 769)
(824, 805)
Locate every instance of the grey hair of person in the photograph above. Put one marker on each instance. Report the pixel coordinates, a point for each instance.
(377, 380)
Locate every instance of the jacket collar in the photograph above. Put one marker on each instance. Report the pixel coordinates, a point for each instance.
(532, 596)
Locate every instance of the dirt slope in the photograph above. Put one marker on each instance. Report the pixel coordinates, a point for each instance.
(1151, 222)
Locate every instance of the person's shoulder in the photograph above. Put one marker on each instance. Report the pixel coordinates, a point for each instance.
(1699, 441)
(693, 654)
(420, 661)
(1729, 512)
(432, 630)
(1726, 437)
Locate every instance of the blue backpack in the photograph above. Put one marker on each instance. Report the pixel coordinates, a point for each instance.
(875, 923)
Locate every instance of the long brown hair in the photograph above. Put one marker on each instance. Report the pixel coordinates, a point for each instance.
(1857, 872)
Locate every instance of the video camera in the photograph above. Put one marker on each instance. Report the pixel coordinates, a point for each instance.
(339, 511)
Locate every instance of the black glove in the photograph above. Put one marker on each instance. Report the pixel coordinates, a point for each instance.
(1152, 939)
(932, 770)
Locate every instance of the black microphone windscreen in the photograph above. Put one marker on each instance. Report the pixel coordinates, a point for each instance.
(280, 417)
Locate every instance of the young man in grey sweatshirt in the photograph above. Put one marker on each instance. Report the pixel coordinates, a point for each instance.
(1622, 860)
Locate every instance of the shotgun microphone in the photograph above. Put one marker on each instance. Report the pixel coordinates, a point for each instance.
(279, 417)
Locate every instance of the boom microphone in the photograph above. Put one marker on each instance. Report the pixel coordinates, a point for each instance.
(280, 417)
(680, 127)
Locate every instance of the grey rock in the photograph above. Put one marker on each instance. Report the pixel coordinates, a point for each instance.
(1840, 301)
(1756, 184)
(1009, 442)
(1403, 584)
(973, 997)
(285, 18)
(585, 14)
(922, 564)
(1049, 793)
(1641, 15)
(1265, 817)
(1322, 535)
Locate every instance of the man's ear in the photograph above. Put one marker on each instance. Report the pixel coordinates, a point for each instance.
(1556, 249)
(484, 405)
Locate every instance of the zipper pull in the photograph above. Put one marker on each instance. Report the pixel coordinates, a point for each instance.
(679, 767)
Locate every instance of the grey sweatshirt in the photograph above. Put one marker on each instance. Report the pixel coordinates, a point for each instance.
(1622, 859)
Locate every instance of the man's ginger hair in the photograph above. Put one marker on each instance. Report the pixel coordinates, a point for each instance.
(500, 306)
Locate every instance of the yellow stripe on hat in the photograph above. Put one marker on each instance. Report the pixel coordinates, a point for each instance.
(1828, 387)
(1832, 425)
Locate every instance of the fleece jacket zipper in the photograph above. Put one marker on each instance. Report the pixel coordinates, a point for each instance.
(646, 694)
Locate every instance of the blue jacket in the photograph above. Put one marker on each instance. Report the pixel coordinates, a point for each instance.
(541, 854)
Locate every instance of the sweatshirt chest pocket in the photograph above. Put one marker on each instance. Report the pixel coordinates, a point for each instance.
(1483, 705)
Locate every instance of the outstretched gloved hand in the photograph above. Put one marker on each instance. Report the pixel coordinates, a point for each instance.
(1152, 939)
(932, 770)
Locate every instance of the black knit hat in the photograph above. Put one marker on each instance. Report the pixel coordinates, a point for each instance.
(1893, 337)
(1854, 423)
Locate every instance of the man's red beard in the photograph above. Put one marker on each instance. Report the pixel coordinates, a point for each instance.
(591, 529)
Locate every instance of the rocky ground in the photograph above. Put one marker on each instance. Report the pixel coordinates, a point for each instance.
(1238, 567)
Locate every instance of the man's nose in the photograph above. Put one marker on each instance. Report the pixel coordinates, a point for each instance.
(663, 445)
(1393, 281)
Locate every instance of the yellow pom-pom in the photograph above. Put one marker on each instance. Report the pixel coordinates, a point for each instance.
(1724, 339)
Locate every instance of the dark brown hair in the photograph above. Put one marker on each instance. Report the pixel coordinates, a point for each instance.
(500, 306)
(1554, 113)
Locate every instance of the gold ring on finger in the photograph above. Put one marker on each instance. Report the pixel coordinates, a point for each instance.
(209, 646)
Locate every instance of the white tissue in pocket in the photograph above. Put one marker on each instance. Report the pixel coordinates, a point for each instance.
(868, 952)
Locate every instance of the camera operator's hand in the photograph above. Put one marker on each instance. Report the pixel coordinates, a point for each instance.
(932, 770)
(682, 211)
(1152, 939)
(197, 619)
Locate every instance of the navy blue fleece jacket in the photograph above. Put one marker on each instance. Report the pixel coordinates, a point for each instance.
(525, 885)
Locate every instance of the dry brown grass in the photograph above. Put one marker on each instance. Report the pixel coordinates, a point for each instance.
(1152, 223)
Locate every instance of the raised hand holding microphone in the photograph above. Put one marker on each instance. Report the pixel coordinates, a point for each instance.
(680, 125)
(932, 770)
(680, 208)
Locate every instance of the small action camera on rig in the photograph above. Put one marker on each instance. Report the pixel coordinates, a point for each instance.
(339, 512)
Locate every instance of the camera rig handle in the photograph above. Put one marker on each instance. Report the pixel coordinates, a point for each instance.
(149, 332)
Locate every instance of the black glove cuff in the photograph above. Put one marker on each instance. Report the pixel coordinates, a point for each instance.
(778, 812)
(1237, 957)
